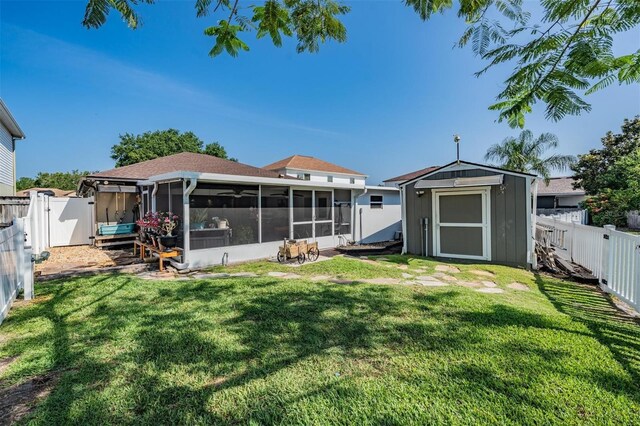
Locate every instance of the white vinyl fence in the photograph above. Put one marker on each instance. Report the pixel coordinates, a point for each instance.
(16, 268)
(611, 256)
(580, 216)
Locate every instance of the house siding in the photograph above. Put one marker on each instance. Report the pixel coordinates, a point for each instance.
(6, 162)
(508, 217)
(376, 225)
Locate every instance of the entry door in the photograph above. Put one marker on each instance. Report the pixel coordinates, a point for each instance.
(312, 213)
(70, 221)
(462, 224)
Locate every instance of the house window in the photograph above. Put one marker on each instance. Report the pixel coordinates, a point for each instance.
(329, 178)
(304, 176)
(352, 180)
(375, 201)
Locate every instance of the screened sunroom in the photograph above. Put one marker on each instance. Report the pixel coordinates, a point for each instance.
(227, 218)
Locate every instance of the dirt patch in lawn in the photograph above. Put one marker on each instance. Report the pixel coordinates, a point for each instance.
(64, 259)
(17, 401)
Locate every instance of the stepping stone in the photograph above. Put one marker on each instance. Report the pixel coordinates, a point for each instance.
(470, 284)
(435, 283)
(403, 267)
(382, 259)
(243, 274)
(340, 281)
(447, 268)
(283, 275)
(291, 277)
(489, 284)
(518, 286)
(443, 276)
(427, 278)
(382, 281)
(494, 290)
(320, 278)
(482, 273)
(405, 275)
(208, 276)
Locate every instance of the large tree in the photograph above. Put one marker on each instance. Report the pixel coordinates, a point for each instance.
(149, 145)
(611, 175)
(558, 53)
(590, 171)
(525, 153)
(61, 180)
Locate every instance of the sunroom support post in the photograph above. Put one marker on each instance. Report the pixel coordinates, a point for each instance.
(186, 221)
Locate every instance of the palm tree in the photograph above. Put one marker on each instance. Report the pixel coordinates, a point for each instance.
(524, 154)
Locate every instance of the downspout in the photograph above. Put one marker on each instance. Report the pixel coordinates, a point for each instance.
(533, 215)
(186, 224)
(403, 217)
(360, 213)
(153, 196)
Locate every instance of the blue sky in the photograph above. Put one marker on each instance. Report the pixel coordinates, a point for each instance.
(386, 102)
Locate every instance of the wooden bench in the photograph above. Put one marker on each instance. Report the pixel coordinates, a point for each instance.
(162, 255)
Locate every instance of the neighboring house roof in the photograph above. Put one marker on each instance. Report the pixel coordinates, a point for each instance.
(409, 176)
(559, 186)
(57, 192)
(453, 164)
(303, 162)
(183, 162)
(9, 122)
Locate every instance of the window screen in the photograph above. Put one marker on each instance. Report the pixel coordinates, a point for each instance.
(275, 213)
(223, 215)
(342, 211)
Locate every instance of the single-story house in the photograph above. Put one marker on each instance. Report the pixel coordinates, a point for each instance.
(258, 207)
(472, 211)
(9, 132)
(559, 193)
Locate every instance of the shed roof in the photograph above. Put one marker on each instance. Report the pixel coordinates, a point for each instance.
(467, 164)
(559, 186)
(184, 161)
(409, 176)
(304, 162)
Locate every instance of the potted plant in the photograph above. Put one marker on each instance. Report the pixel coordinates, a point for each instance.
(198, 218)
(167, 222)
(145, 225)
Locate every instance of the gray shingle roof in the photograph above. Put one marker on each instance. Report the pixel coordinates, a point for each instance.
(184, 162)
(559, 186)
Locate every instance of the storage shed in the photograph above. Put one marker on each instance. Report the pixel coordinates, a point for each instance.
(470, 211)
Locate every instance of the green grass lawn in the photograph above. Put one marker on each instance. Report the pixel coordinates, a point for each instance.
(269, 351)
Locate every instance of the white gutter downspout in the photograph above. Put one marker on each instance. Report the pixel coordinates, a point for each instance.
(403, 217)
(360, 212)
(532, 208)
(186, 221)
(153, 196)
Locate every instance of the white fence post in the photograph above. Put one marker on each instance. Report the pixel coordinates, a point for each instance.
(606, 261)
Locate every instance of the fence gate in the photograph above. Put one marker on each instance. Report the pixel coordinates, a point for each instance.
(70, 221)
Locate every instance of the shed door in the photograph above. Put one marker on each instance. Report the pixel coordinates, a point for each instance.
(461, 224)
